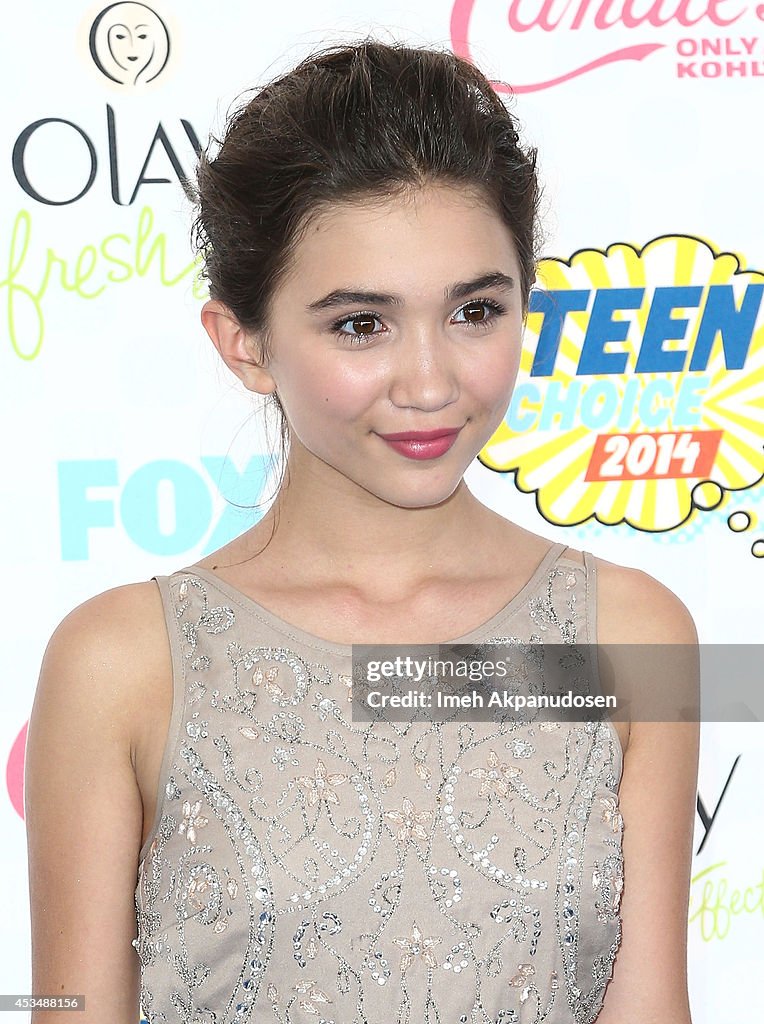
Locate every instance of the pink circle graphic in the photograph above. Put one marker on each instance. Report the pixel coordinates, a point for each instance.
(14, 772)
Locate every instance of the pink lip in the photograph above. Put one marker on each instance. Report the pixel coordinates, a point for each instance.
(423, 445)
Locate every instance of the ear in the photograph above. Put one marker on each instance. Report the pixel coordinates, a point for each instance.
(237, 348)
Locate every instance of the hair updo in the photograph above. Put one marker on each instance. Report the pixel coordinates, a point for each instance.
(351, 123)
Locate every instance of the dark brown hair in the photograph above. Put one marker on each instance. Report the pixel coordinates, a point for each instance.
(351, 123)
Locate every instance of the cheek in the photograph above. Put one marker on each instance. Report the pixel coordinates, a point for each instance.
(347, 391)
(495, 378)
(329, 395)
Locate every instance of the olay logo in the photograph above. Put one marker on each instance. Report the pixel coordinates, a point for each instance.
(715, 57)
(129, 43)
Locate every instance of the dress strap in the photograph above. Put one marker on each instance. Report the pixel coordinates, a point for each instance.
(590, 591)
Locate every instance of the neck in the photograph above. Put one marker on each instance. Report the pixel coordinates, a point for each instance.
(337, 530)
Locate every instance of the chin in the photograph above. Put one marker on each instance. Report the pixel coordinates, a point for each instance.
(419, 497)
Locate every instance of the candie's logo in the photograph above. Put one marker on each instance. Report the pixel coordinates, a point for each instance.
(641, 387)
(705, 38)
(129, 43)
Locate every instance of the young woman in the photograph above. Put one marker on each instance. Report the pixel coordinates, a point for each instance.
(368, 228)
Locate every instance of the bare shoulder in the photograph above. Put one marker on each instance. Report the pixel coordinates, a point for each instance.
(104, 671)
(113, 649)
(658, 690)
(634, 607)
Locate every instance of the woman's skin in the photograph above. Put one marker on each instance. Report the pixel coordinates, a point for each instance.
(398, 550)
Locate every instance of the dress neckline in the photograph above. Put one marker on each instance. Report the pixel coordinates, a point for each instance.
(297, 633)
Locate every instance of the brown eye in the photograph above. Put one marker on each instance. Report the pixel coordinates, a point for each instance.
(481, 313)
(363, 324)
(475, 313)
(360, 328)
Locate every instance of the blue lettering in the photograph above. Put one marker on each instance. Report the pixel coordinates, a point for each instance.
(228, 480)
(78, 513)
(592, 417)
(157, 493)
(140, 507)
(516, 419)
(555, 306)
(561, 400)
(661, 326)
(603, 329)
(626, 413)
(721, 316)
(650, 416)
(687, 405)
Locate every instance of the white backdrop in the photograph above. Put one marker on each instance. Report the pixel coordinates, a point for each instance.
(124, 437)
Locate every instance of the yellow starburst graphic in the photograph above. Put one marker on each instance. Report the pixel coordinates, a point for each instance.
(641, 384)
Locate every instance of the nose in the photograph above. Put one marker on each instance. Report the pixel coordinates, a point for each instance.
(424, 374)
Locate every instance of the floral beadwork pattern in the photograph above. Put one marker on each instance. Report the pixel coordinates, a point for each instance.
(308, 867)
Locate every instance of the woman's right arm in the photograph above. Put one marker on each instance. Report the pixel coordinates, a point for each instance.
(83, 807)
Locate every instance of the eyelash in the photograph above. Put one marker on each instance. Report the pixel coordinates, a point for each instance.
(497, 310)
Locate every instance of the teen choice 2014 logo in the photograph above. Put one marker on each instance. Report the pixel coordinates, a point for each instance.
(640, 394)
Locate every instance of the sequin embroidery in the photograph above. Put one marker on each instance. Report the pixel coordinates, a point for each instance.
(308, 867)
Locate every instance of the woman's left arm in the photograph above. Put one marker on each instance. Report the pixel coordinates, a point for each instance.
(657, 796)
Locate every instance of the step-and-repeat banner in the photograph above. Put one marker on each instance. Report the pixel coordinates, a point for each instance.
(637, 427)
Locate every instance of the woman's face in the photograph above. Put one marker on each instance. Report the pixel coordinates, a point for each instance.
(422, 345)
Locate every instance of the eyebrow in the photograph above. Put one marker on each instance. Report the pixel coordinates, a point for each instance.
(345, 296)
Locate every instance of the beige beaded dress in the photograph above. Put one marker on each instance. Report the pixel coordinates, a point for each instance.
(307, 867)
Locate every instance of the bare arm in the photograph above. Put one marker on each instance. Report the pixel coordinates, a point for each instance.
(657, 801)
(83, 808)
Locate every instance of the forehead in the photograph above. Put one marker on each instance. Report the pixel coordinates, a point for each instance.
(418, 239)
